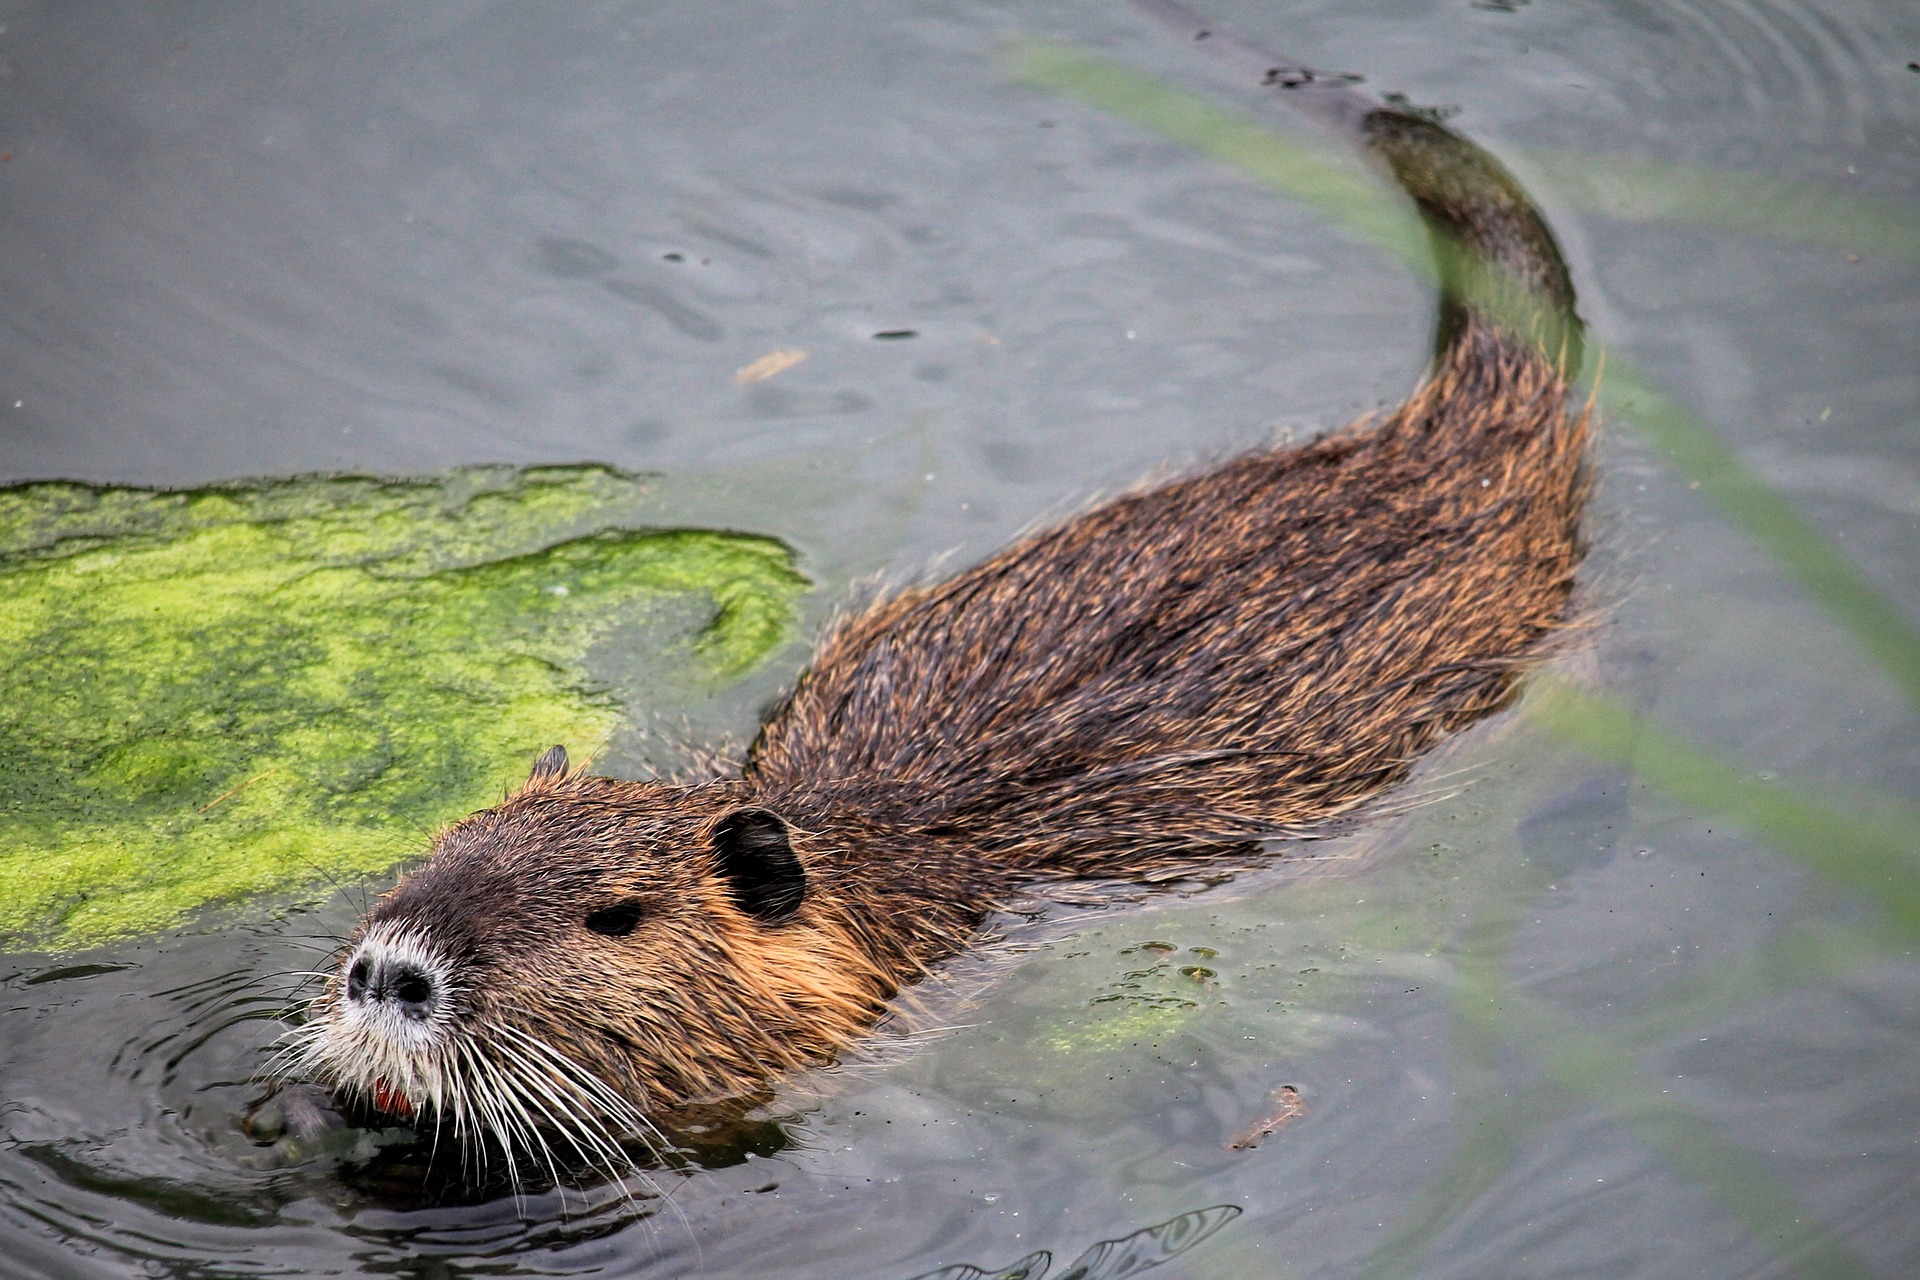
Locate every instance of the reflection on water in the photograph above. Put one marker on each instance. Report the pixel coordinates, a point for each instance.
(1555, 1020)
(1110, 1259)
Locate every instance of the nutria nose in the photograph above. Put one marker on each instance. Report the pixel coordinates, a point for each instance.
(400, 984)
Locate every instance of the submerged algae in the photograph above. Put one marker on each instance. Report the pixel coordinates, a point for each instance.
(216, 692)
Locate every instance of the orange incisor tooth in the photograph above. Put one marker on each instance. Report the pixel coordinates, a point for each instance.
(391, 1100)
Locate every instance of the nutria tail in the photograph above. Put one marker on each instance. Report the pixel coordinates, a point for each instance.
(1498, 263)
(1250, 651)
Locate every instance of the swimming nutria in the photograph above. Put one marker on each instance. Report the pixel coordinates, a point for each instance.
(1182, 672)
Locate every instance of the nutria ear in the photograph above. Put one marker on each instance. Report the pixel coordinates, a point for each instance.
(752, 854)
(550, 767)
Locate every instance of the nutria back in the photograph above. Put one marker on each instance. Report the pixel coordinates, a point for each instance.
(1250, 652)
(1239, 655)
(1253, 650)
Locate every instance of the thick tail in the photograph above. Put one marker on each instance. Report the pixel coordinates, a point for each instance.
(1503, 280)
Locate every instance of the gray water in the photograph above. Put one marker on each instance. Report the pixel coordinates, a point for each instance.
(1550, 1022)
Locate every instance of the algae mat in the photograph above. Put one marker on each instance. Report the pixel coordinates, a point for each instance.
(212, 693)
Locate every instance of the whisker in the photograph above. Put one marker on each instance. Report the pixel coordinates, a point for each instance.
(596, 1090)
(577, 1128)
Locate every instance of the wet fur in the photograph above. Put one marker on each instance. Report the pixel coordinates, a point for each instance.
(1251, 652)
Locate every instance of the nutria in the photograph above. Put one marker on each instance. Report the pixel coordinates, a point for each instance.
(1183, 673)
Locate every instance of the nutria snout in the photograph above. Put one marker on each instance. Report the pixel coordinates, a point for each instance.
(1243, 654)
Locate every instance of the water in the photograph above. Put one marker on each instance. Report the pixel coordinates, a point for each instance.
(1552, 1022)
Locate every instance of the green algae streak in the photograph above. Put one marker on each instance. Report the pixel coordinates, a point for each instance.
(258, 686)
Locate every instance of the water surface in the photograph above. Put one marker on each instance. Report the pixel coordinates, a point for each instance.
(1550, 1022)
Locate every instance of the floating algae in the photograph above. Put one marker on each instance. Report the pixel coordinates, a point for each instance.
(212, 693)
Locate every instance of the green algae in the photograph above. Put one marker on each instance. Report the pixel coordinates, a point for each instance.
(218, 692)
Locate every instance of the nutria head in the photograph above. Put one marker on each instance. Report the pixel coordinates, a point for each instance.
(585, 955)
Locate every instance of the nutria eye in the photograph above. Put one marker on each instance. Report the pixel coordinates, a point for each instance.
(618, 920)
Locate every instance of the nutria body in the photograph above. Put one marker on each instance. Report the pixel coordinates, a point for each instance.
(1244, 654)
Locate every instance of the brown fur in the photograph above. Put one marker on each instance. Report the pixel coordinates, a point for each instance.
(1247, 653)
